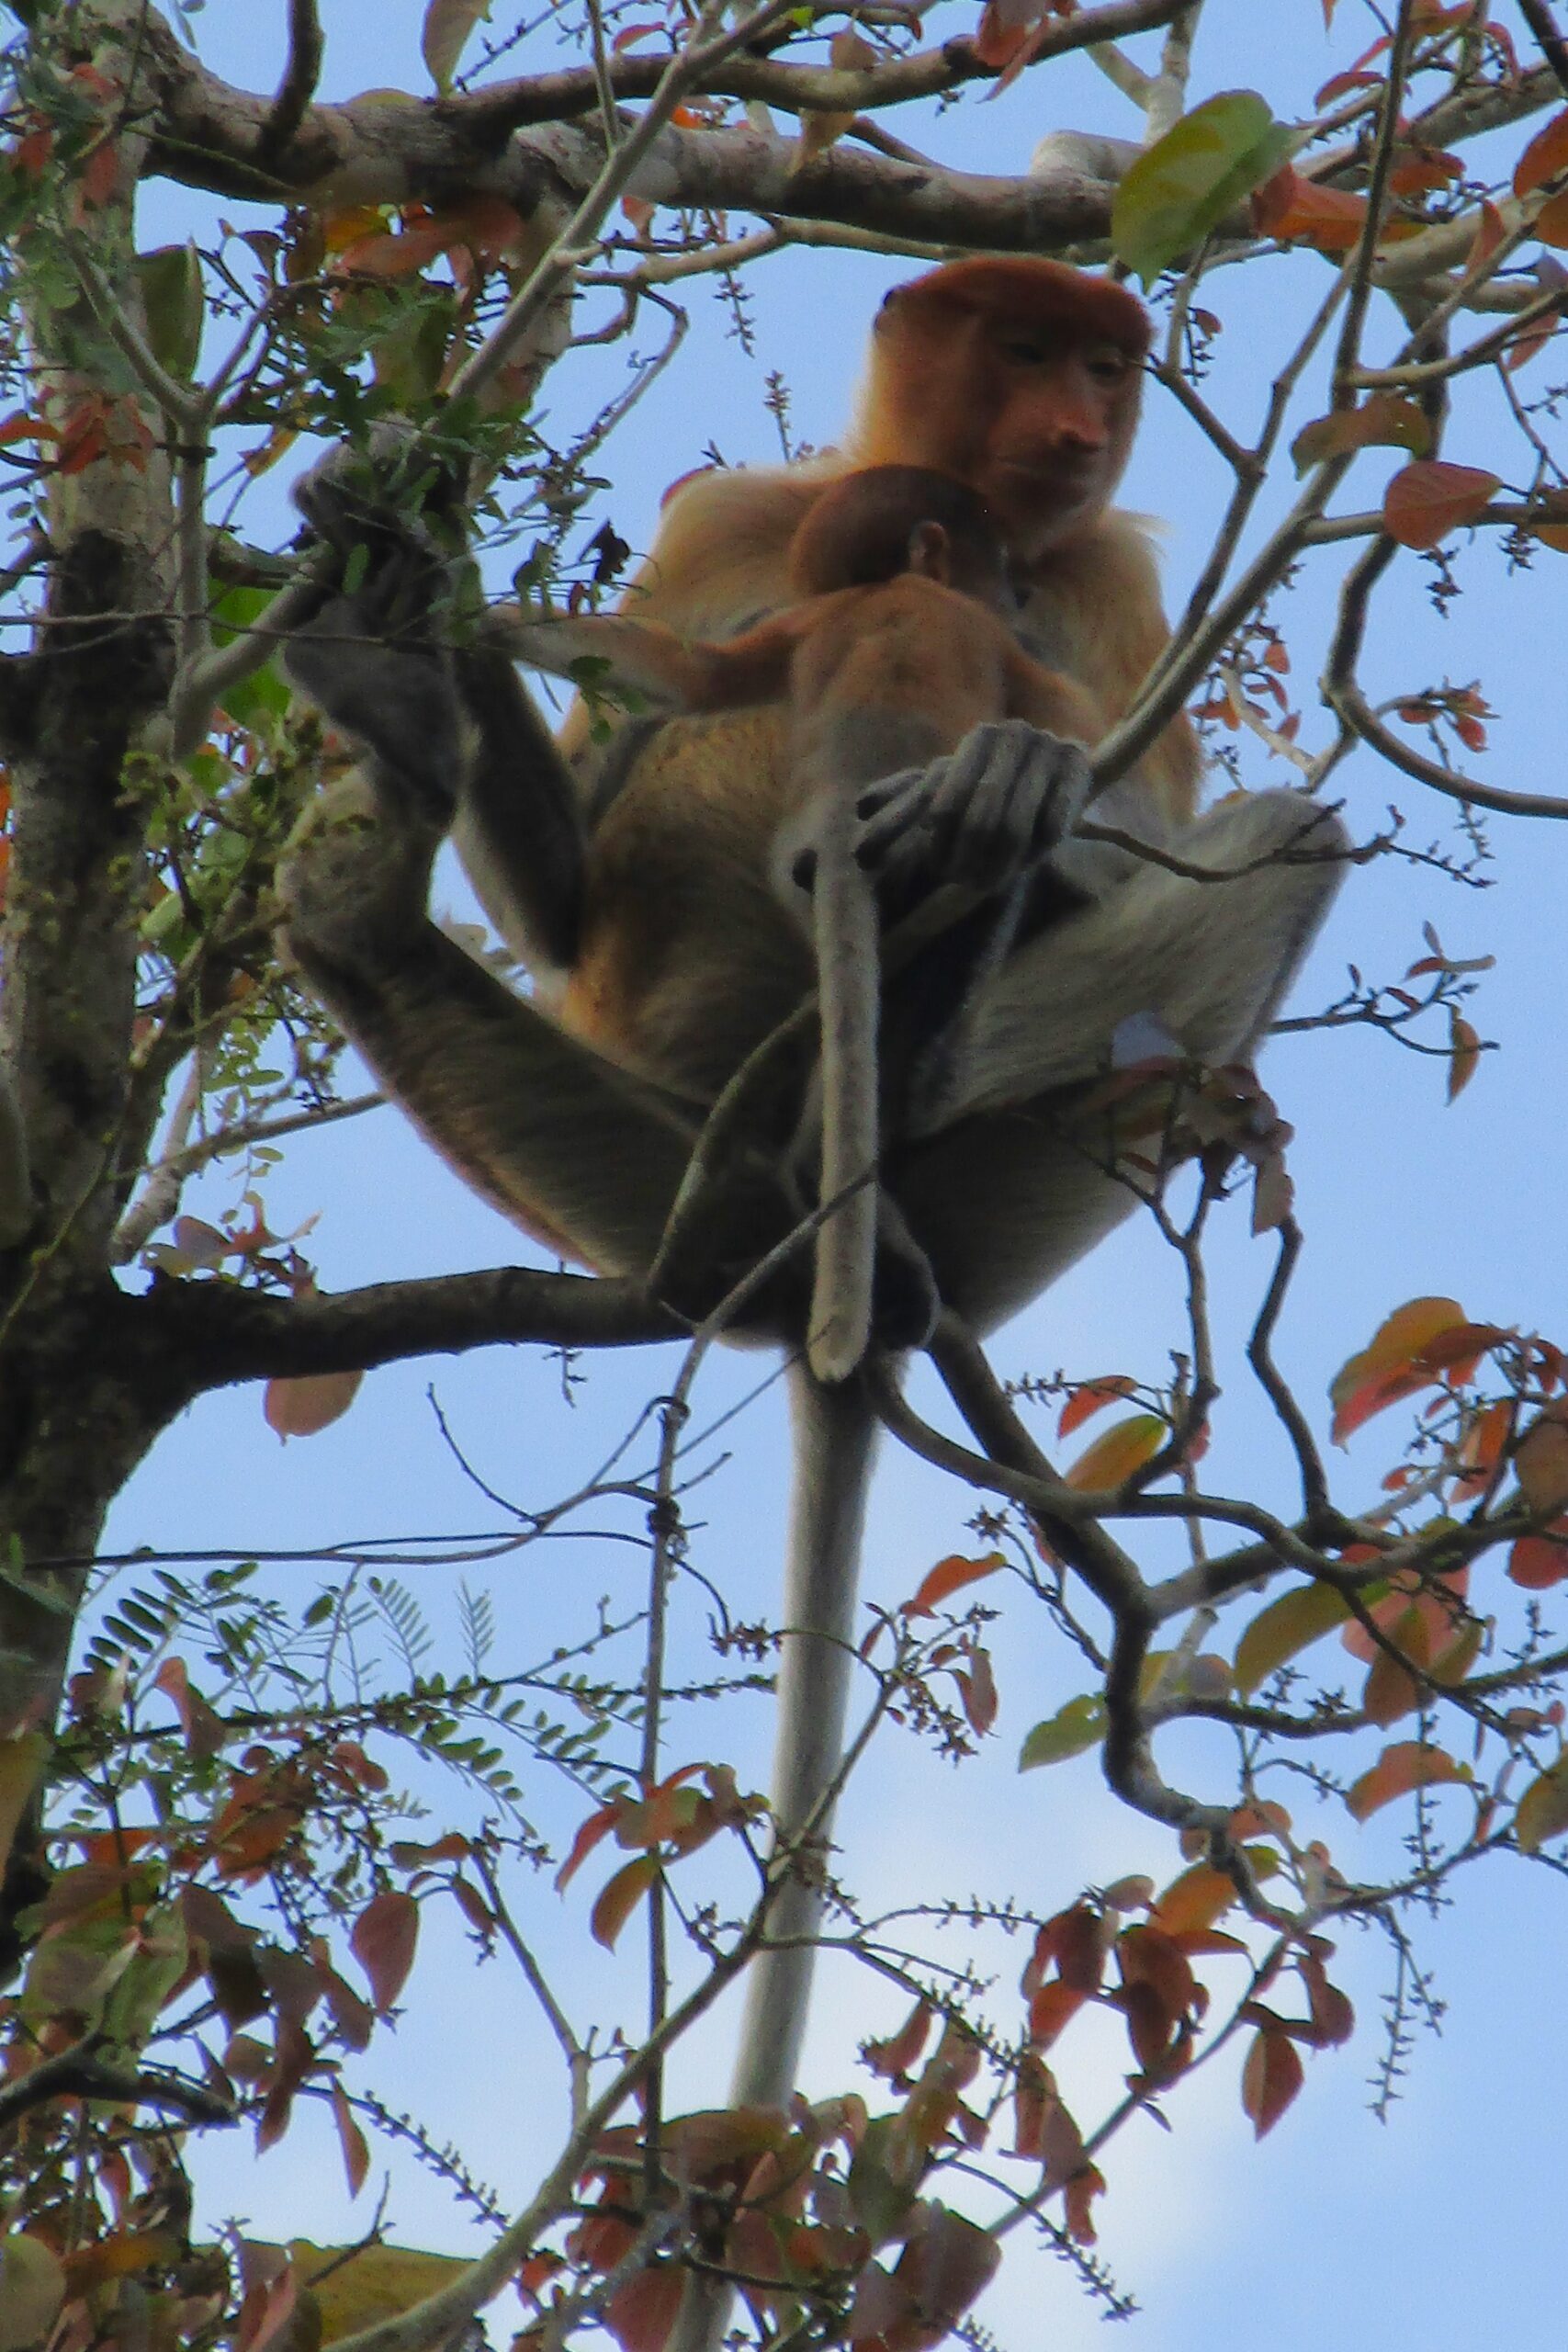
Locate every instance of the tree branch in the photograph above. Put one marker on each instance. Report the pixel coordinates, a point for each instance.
(297, 88)
(189, 1336)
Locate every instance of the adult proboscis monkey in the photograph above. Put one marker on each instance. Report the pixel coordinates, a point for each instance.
(900, 646)
(637, 885)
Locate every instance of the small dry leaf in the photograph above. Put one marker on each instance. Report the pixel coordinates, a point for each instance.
(302, 1408)
(1271, 2077)
(383, 1941)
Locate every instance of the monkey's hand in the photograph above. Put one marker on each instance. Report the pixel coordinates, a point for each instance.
(992, 811)
(373, 654)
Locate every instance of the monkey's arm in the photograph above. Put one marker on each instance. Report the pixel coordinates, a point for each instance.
(613, 650)
(450, 737)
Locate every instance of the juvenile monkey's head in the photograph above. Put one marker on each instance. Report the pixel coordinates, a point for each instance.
(871, 526)
(1019, 376)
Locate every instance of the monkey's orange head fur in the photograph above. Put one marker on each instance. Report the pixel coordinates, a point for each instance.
(1019, 376)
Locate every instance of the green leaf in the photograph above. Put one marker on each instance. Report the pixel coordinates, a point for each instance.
(1080, 1724)
(263, 696)
(1189, 180)
(1293, 1623)
(175, 302)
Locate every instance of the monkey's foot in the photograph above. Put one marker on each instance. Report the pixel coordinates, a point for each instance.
(352, 886)
(989, 812)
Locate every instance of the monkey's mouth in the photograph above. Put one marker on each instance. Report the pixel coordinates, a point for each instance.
(1064, 479)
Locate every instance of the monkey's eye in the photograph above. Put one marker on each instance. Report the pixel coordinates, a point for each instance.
(1109, 367)
(1026, 351)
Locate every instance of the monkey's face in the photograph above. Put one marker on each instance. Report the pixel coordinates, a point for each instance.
(1058, 424)
(1022, 378)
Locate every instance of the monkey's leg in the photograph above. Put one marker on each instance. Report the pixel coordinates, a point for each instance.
(555, 1136)
(1012, 1190)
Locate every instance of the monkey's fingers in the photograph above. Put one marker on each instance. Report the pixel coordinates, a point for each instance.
(991, 811)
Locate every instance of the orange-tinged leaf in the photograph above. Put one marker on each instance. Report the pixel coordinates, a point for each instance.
(1292, 210)
(1392, 1365)
(1542, 1810)
(620, 1899)
(1464, 1053)
(351, 2140)
(1490, 230)
(948, 1576)
(1089, 1397)
(1051, 2010)
(977, 1689)
(1392, 1690)
(597, 1825)
(1194, 1901)
(1542, 1462)
(1545, 158)
(302, 1408)
(1408, 1765)
(1271, 2078)
(382, 255)
(1538, 1562)
(383, 1941)
(1430, 498)
(1119, 1454)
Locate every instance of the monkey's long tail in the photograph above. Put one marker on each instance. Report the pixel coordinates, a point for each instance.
(835, 1441)
(848, 982)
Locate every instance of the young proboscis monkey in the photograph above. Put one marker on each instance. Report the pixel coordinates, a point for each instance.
(897, 649)
(636, 885)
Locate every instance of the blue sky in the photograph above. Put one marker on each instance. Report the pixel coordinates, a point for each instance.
(1447, 2220)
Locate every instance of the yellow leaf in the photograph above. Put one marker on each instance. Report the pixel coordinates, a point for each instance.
(1115, 1456)
(1542, 1810)
(1289, 1625)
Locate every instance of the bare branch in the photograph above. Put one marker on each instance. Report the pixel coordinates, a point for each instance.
(297, 88)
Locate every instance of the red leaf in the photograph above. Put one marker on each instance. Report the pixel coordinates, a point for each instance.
(597, 1825)
(383, 1942)
(1428, 499)
(1545, 158)
(898, 2053)
(640, 2314)
(1271, 2077)
(1538, 1562)
(1091, 1397)
(1393, 1363)
(951, 1576)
